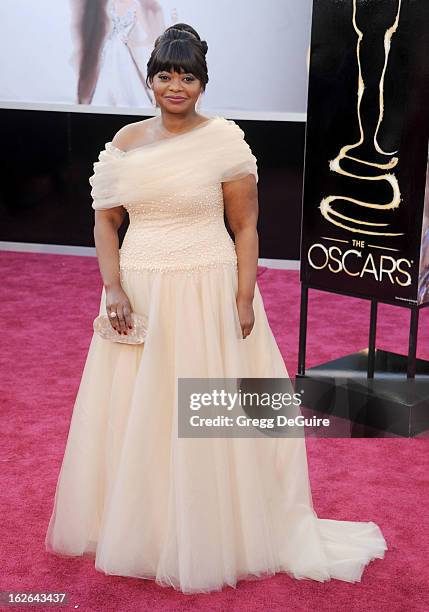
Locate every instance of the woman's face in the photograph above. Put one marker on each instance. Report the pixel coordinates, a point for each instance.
(176, 92)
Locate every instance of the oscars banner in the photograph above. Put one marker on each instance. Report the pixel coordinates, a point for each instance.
(365, 224)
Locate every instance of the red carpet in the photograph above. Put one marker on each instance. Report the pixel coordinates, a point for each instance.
(49, 302)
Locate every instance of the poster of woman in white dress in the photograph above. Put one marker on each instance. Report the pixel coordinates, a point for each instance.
(89, 55)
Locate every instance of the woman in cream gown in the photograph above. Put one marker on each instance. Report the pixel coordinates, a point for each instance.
(192, 513)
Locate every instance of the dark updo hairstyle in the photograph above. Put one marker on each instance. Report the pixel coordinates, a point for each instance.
(179, 48)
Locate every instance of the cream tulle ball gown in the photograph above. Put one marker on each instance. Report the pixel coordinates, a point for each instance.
(192, 513)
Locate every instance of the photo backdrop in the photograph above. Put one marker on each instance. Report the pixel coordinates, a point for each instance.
(81, 53)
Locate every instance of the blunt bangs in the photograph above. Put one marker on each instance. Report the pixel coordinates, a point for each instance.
(178, 56)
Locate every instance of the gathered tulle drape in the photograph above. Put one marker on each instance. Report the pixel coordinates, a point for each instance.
(223, 155)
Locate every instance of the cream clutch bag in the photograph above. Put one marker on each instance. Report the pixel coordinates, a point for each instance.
(136, 335)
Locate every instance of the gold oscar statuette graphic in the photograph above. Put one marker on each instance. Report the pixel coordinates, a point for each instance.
(375, 171)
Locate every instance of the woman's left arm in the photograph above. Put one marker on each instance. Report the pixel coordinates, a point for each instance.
(241, 208)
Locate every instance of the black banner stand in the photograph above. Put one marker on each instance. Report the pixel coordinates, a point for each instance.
(379, 389)
(365, 222)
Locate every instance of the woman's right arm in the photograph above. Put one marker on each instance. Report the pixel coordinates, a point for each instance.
(107, 224)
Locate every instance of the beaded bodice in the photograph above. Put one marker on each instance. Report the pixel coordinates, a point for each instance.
(182, 230)
(172, 191)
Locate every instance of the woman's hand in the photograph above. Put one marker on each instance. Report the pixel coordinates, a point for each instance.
(246, 315)
(117, 301)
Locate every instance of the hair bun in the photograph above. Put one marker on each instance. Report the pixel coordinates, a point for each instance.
(181, 27)
(175, 31)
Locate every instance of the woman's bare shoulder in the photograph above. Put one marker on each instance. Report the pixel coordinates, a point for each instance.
(133, 134)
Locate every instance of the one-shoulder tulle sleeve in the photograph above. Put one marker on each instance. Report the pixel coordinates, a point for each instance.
(105, 180)
(212, 153)
(237, 159)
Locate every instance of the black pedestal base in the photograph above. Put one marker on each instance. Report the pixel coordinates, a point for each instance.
(389, 402)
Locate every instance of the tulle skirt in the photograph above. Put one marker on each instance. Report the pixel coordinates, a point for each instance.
(192, 513)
